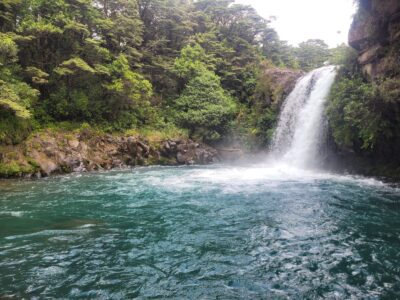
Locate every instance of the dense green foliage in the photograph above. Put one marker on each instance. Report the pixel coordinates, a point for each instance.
(364, 115)
(312, 54)
(204, 107)
(16, 96)
(123, 64)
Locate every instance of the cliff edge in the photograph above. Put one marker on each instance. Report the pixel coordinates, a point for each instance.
(375, 34)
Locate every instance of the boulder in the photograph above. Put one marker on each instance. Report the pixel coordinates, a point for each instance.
(47, 165)
(73, 143)
(181, 157)
(57, 152)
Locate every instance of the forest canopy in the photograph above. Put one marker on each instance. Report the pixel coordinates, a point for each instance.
(122, 64)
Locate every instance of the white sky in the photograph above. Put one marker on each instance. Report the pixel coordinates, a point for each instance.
(300, 20)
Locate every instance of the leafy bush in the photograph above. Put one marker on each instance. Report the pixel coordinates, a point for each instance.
(205, 108)
(13, 130)
(128, 94)
(16, 99)
(16, 169)
(364, 116)
(352, 121)
(192, 62)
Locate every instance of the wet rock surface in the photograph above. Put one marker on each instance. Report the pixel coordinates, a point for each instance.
(375, 34)
(279, 82)
(55, 153)
(189, 152)
(283, 78)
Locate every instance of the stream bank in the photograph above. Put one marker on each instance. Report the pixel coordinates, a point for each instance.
(52, 152)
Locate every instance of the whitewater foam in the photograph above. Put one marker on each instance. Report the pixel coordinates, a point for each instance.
(299, 136)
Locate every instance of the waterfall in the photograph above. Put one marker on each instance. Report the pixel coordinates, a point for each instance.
(299, 136)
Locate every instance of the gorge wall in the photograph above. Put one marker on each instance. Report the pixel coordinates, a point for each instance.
(364, 107)
(375, 34)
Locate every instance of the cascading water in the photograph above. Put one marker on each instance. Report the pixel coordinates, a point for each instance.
(207, 232)
(299, 136)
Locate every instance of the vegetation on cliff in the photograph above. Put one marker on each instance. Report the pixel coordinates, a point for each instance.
(364, 107)
(121, 64)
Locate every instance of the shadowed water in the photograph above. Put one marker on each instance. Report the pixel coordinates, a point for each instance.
(216, 232)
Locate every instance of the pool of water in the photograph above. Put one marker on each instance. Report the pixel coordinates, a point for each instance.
(219, 232)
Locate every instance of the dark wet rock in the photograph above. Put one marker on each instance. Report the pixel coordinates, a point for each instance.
(181, 157)
(190, 152)
(54, 153)
(375, 34)
(283, 78)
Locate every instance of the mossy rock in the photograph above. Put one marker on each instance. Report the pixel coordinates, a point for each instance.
(16, 169)
(166, 161)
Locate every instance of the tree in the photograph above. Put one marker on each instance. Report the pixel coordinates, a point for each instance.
(342, 55)
(123, 63)
(16, 96)
(192, 62)
(312, 54)
(128, 95)
(167, 26)
(8, 13)
(122, 28)
(277, 51)
(204, 107)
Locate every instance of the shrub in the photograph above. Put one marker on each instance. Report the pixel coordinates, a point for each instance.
(205, 108)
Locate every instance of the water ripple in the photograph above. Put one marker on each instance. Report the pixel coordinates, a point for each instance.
(200, 232)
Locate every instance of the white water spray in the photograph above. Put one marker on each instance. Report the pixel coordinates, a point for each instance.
(299, 136)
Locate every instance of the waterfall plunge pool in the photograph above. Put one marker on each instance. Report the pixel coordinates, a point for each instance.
(226, 232)
(219, 232)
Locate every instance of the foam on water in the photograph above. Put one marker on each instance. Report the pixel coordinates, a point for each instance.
(277, 229)
(201, 232)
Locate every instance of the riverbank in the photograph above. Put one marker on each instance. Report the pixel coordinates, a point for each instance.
(56, 151)
(62, 151)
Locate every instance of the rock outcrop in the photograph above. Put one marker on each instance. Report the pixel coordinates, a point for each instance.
(51, 153)
(375, 33)
(279, 82)
(283, 78)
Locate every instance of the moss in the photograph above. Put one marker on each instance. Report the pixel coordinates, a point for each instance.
(155, 135)
(36, 146)
(66, 169)
(69, 136)
(33, 163)
(166, 161)
(62, 143)
(11, 156)
(15, 169)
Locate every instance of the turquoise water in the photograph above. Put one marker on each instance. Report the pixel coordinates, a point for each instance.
(200, 233)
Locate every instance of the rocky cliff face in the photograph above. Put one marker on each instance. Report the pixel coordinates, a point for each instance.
(49, 153)
(279, 82)
(365, 111)
(375, 33)
(254, 128)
